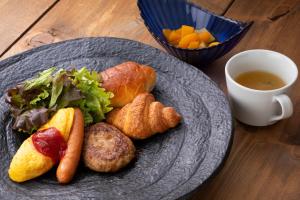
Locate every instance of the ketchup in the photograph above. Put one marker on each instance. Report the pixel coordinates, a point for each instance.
(50, 142)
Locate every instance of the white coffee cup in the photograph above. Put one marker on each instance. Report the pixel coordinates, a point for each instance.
(260, 107)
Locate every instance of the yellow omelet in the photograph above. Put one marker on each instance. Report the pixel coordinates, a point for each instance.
(28, 163)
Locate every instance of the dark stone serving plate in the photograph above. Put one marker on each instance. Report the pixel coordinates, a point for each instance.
(168, 166)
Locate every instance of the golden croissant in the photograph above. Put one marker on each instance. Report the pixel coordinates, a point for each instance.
(143, 117)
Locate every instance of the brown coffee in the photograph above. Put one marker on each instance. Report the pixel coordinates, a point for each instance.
(260, 80)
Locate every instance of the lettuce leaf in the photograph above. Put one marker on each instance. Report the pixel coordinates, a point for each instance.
(43, 79)
(31, 120)
(40, 97)
(57, 87)
(34, 101)
(96, 101)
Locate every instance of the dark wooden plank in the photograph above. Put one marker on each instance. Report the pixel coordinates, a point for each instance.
(217, 6)
(80, 18)
(16, 16)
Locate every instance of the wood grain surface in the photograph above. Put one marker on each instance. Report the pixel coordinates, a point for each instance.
(17, 16)
(217, 6)
(264, 163)
(82, 18)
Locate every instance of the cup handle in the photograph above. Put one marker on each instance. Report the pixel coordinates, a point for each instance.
(286, 107)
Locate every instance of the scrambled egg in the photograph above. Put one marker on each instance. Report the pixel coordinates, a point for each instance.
(28, 163)
(62, 121)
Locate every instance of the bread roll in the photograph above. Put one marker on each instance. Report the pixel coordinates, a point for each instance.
(127, 80)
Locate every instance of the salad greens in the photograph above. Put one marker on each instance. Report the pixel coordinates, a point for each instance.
(34, 101)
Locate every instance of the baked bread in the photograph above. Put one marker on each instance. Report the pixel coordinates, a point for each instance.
(143, 117)
(106, 149)
(127, 80)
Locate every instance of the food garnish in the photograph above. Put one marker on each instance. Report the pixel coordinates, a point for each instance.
(188, 37)
(34, 101)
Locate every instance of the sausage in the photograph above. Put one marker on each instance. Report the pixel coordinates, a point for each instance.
(68, 164)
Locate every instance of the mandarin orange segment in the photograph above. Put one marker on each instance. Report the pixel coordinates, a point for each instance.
(194, 45)
(175, 42)
(174, 37)
(167, 33)
(188, 37)
(178, 31)
(205, 36)
(186, 30)
(185, 41)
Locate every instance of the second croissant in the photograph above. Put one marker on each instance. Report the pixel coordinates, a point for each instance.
(144, 117)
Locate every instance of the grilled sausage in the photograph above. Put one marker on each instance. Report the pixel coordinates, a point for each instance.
(68, 164)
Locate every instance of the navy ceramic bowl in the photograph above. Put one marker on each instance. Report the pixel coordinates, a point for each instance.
(171, 14)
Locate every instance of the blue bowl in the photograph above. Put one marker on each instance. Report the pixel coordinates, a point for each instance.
(171, 14)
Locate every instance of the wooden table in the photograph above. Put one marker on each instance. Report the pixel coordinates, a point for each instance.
(264, 163)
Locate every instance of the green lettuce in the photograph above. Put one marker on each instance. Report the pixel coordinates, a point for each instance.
(40, 97)
(57, 87)
(96, 102)
(43, 79)
(36, 100)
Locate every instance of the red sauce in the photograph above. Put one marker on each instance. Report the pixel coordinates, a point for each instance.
(50, 142)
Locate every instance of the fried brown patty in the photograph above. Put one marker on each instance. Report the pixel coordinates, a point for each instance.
(106, 148)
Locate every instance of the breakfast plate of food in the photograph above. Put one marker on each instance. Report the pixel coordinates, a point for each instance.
(108, 118)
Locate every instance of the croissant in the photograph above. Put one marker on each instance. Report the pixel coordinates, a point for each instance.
(143, 117)
(126, 81)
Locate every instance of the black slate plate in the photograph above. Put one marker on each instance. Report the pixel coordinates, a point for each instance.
(168, 166)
